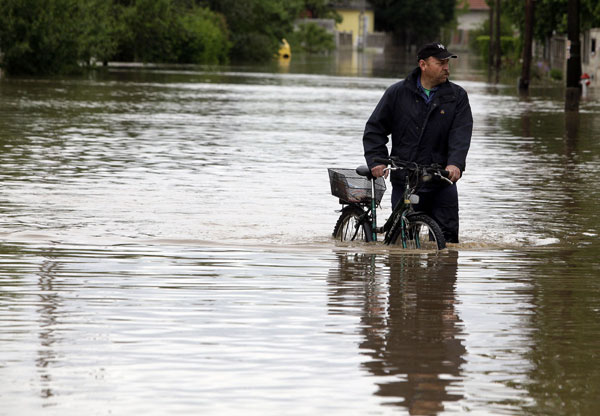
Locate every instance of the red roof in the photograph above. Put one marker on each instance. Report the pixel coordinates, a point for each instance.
(478, 5)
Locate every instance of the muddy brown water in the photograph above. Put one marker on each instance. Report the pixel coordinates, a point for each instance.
(165, 249)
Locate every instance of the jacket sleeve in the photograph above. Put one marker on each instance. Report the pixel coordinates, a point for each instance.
(378, 127)
(459, 138)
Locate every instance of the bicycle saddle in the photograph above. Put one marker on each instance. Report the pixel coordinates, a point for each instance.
(363, 170)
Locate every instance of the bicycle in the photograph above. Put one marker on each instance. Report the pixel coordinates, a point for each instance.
(405, 226)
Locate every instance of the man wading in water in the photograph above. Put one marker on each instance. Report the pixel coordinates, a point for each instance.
(430, 121)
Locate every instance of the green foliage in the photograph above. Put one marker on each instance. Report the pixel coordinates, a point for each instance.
(551, 15)
(257, 26)
(414, 21)
(203, 37)
(556, 74)
(167, 31)
(510, 47)
(153, 27)
(38, 36)
(311, 38)
(57, 36)
(98, 27)
(506, 29)
(320, 9)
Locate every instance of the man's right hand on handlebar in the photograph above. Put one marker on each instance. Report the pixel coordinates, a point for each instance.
(378, 171)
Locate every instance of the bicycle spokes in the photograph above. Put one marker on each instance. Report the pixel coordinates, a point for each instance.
(419, 236)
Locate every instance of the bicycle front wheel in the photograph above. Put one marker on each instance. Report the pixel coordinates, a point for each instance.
(353, 225)
(421, 232)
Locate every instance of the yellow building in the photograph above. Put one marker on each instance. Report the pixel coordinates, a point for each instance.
(358, 19)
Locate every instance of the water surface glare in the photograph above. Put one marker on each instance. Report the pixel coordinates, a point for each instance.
(165, 249)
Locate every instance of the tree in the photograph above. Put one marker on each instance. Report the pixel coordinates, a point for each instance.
(574, 62)
(257, 26)
(39, 37)
(98, 28)
(320, 9)
(312, 38)
(551, 16)
(203, 37)
(413, 22)
(57, 36)
(172, 31)
(527, 46)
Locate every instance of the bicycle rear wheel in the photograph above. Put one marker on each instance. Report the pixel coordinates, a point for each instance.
(421, 233)
(353, 225)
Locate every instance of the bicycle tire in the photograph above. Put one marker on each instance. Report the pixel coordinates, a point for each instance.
(422, 233)
(352, 225)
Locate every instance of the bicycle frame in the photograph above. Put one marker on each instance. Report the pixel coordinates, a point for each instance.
(405, 223)
(400, 212)
(373, 211)
(405, 207)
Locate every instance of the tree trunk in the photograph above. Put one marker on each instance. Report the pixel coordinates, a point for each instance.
(574, 61)
(497, 42)
(491, 43)
(527, 47)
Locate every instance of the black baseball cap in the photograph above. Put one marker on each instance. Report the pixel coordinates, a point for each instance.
(435, 49)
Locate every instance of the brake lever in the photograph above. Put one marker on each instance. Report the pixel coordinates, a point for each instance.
(443, 177)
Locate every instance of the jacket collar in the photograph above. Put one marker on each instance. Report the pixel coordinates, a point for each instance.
(412, 83)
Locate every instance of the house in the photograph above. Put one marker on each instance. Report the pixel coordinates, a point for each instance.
(358, 24)
(471, 14)
(590, 57)
(557, 54)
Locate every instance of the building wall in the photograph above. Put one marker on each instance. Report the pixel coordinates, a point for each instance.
(472, 20)
(477, 14)
(351, 22)
(591, 55)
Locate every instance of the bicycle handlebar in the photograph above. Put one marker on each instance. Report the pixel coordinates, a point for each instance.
(425, 170)
(401, 164)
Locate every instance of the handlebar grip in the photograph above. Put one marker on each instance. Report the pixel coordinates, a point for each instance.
(444, 173)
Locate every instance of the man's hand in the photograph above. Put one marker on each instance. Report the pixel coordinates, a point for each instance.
(454, 173)
(378, 171)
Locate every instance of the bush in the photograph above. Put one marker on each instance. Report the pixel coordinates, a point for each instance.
(39, 37)
(312, 38)
(98, 29)
(510, 47)
(202, 38)
(253, 47)
(257, 26)
(152, 24)
(162, 32)
(58, 36)
(556, 74)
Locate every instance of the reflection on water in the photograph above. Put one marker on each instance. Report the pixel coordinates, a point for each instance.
(410, 325)
(565, 373)
(165, 248)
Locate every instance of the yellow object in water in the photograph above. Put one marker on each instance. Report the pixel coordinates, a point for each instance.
(285, 52)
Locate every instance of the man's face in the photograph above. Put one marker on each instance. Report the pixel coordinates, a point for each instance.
(434, 69)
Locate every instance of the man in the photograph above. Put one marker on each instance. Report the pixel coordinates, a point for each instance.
(430, 121)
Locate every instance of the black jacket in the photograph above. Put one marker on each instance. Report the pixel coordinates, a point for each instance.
(438, 132)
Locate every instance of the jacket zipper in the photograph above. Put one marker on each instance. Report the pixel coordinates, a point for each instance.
(422, 132)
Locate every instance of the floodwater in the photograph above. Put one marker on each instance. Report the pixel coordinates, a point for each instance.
(165, 249)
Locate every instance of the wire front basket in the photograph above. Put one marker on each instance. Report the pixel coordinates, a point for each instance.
(349, 186)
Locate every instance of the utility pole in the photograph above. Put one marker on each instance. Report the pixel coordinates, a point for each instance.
(362, 27)
(574, 61)
(497, 43)
(527, 47)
